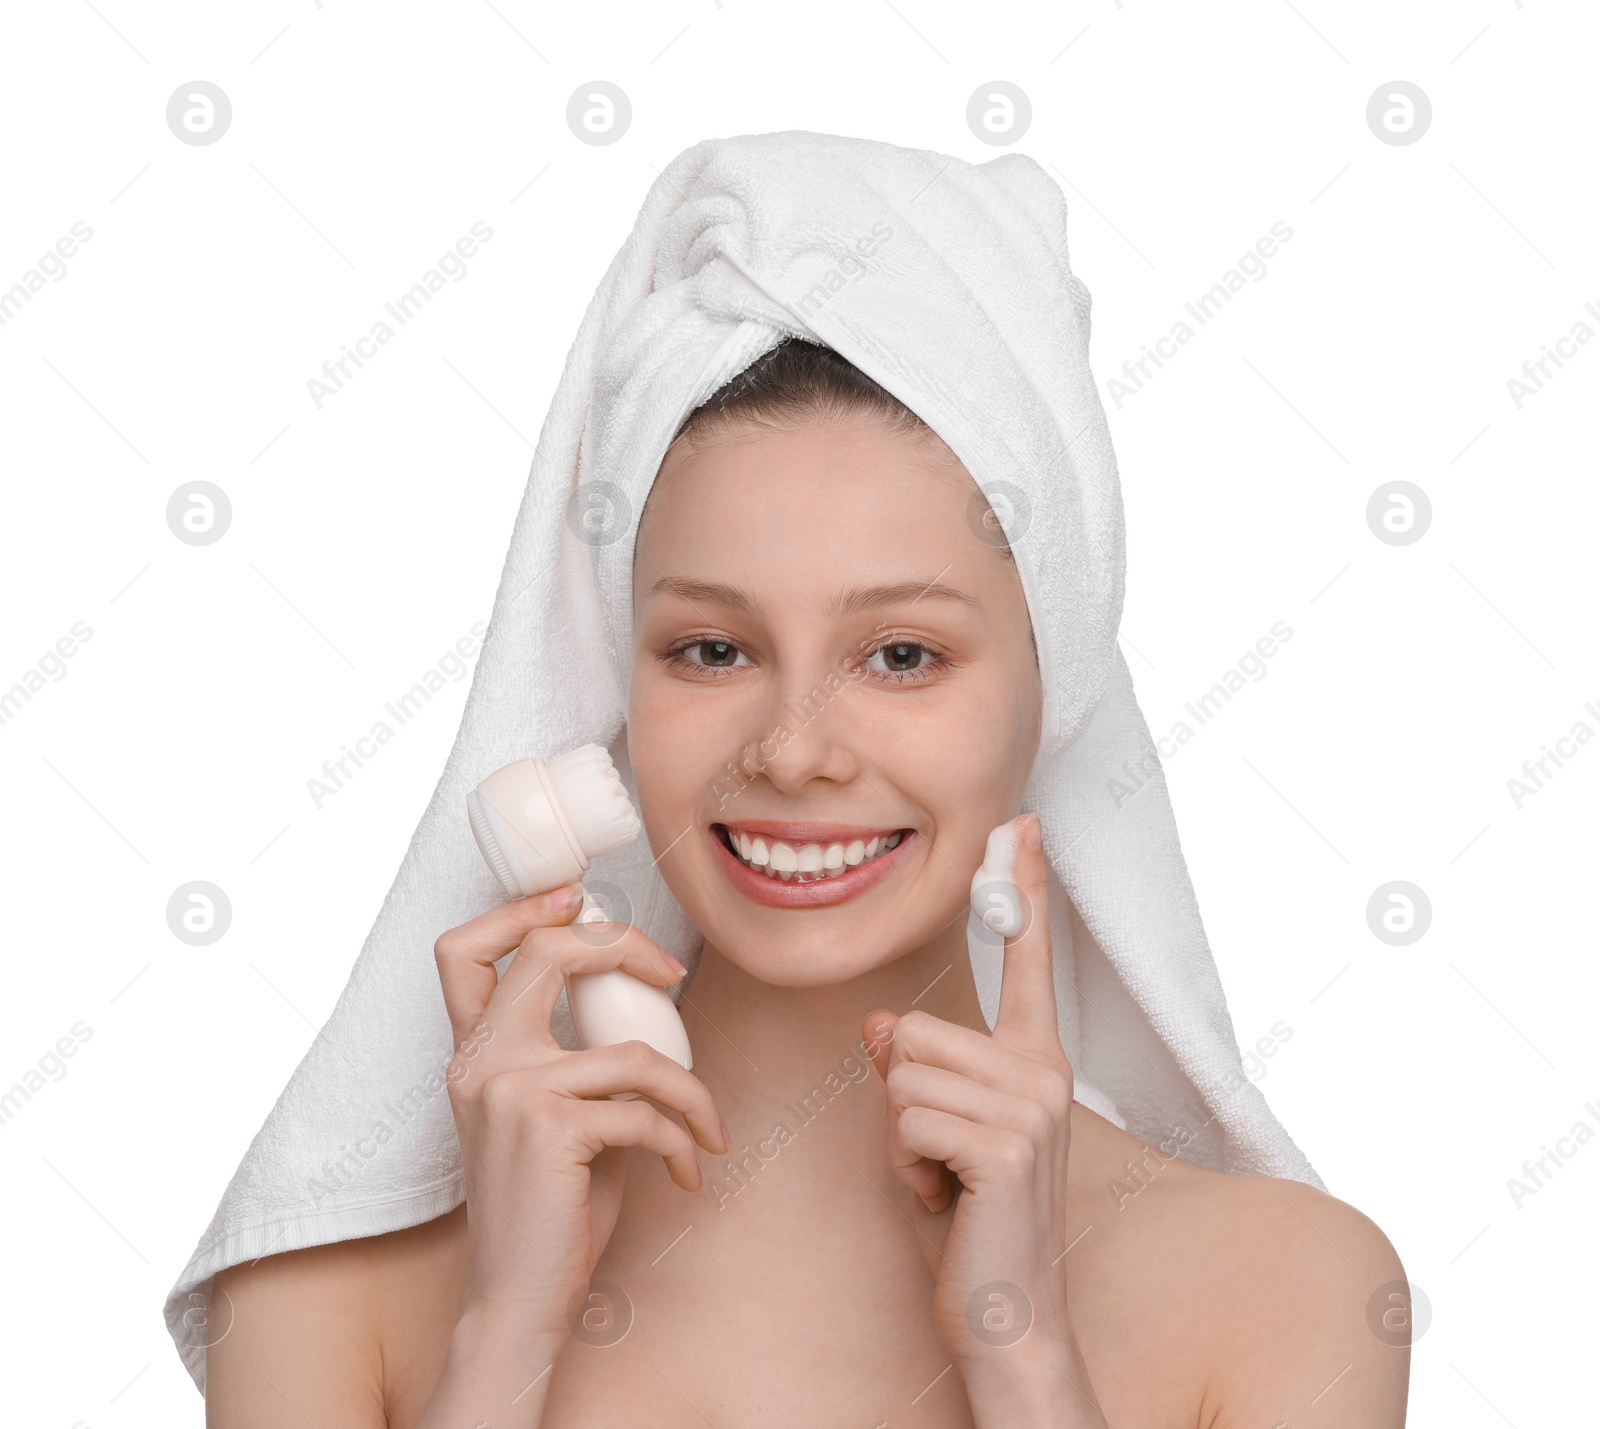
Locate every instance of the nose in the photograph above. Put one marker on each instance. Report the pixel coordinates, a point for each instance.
(809, 733)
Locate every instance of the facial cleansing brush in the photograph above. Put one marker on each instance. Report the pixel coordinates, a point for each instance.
(539, 825)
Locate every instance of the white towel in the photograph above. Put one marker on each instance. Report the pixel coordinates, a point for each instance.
(949, 284)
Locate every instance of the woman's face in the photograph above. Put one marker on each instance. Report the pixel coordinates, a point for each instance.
(827, 651)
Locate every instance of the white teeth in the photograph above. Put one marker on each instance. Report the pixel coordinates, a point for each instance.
(808, 862)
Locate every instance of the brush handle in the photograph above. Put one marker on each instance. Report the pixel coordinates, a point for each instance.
(615, 1006)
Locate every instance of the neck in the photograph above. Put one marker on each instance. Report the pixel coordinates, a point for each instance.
(792, 1057)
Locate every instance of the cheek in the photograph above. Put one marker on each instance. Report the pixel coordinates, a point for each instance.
(678, 747)
(964, 761)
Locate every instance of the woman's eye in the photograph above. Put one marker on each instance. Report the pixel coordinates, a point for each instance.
(709, 655)
(905, 658)
(904, 661)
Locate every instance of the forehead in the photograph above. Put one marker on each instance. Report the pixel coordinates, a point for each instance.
(810, 509)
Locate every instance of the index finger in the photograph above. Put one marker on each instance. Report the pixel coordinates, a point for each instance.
(1027, 1017)
(466, 955)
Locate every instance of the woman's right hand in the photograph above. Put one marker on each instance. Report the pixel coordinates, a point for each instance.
(541, 1143)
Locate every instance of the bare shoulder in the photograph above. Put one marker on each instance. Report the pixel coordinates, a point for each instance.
(356, 1330)
(1228, 1301)
(1310, 1312)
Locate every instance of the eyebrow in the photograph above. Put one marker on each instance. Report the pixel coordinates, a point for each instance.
(846, 602)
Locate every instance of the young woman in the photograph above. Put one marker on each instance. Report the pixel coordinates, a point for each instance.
(944, 1237)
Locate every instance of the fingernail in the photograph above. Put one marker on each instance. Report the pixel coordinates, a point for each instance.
(727, 1140)
(565, 897)
(672, 963)
(1030, 835)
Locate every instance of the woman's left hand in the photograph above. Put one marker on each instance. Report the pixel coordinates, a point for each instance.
(994, 1110)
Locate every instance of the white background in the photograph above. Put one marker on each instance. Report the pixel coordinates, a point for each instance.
(367, 538)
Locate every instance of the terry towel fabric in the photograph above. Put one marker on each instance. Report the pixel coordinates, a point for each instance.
(949, 284)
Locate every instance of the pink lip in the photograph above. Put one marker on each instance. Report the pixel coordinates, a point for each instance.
(825, 892)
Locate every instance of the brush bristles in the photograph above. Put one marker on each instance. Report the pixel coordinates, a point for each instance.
(593, 799)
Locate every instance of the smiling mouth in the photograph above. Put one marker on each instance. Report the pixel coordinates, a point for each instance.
(805, 863)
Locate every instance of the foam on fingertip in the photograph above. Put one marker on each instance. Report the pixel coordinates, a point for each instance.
(994, 895)
(1000, 856)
